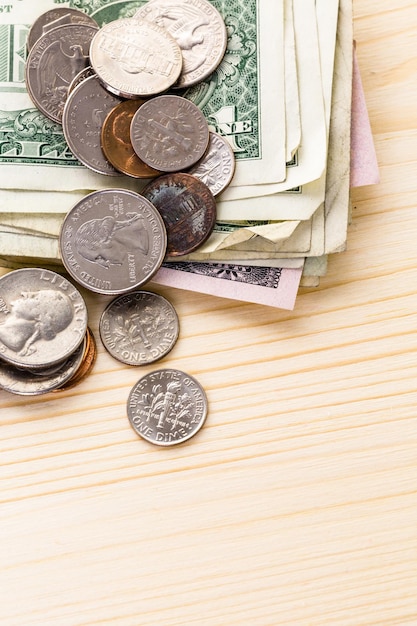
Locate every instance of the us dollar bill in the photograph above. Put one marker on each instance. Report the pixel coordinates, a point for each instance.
(243, 99)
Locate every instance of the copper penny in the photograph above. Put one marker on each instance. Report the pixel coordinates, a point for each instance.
(116, 144)
(187, 207)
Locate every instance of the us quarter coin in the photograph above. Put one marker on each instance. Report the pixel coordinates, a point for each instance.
(135, 58)
(84, 113)
(167, 407)
(116, 144)
(169, 133)
(112, 241)
(187, 207)
(139, 328)
(216, 168)
(199, 30)
(43, 318)
(54, 18)
(55, 59)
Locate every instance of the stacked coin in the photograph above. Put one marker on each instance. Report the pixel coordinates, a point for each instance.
(45, 343)
(108, 87)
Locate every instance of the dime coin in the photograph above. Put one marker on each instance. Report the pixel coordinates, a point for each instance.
(85, 73)
(139, 328)
(167, 407)
(116, 144)
(135, 58)
(86, 365)
(43, 318)
(84, 113)
(55, 59)
(31, 383)
(199, 30)
(217, 166)
(112, 241)
(169, 133)
(187, 207)
(53, 19)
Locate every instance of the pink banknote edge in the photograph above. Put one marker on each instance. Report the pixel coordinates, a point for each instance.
(282, 295)
(364, 165)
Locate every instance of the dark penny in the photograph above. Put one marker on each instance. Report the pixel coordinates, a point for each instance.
(187, 207)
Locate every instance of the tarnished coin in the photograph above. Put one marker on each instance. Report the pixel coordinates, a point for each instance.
(139, 328)
(135, 58)
(217, 166)
(84, 113)
(169, 133)
(112, 241)
(116, 144)
(187, 207)
(43, 318)
(167, 407)
(31, 383)
(199, 30)
(55, 59)
(85, 73)
(54, 18)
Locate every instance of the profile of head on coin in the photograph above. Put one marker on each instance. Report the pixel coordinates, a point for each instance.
(169, 133)
(139, 327)
(187, 207)
(135, 58)
(217, 166)
(167, 407)
(112, 241)
(85, 110)
(53, 62)
(43, 318)
(59, 16)
(116, 143)
(199, 30)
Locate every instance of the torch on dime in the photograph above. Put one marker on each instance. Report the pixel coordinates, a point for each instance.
(167, 407)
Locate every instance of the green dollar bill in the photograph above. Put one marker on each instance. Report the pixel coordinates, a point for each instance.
(242, 99)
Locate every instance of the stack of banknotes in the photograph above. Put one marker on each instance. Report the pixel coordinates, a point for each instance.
(287, 96)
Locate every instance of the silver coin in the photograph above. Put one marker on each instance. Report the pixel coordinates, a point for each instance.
(53, 62)
(85, 110)
(54, 18)
(139, 328)
(85, 73)
(217, 166)
(113, 241)
(199, 30)
(31, 383)
(169, 133)
(43, 318)
(135, 58)
(167, 407)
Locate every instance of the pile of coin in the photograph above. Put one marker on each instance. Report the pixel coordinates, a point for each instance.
(45, 342)
(108, 88)
(115, 90)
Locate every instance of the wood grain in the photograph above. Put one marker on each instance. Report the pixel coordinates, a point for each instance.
(296, 504)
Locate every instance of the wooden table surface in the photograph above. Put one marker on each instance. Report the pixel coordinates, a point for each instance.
(296, 504)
